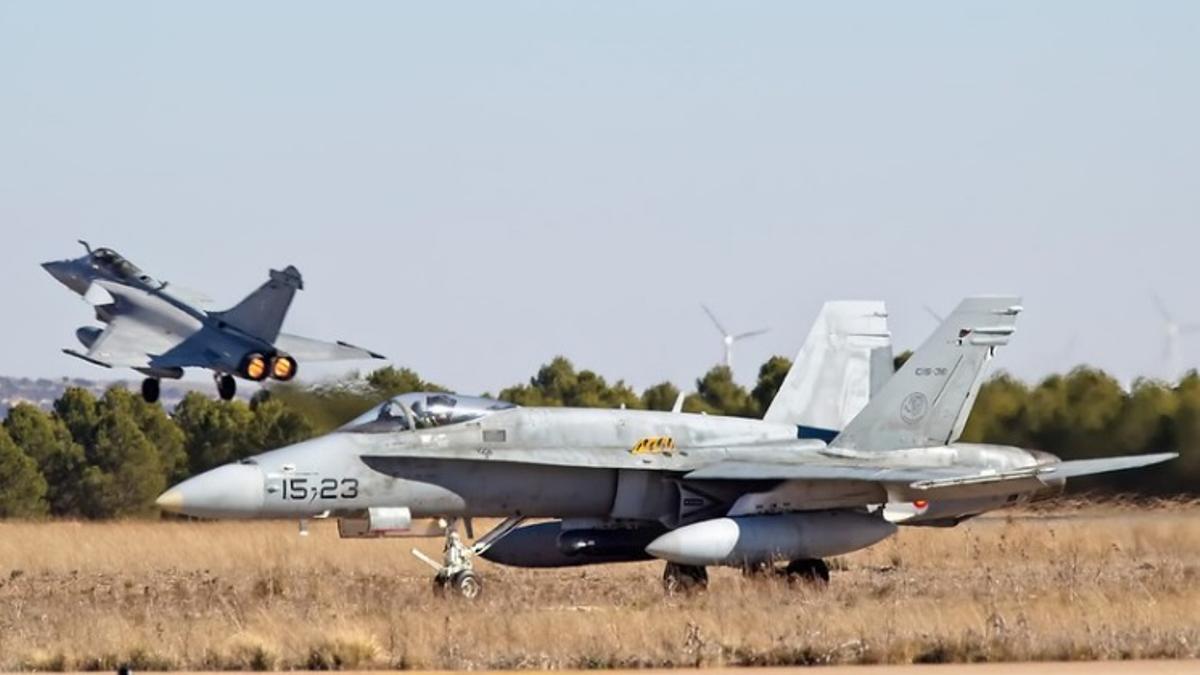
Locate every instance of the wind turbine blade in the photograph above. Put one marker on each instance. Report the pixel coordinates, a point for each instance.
(1189, 328)
(716, 322)
(1162, 308)
(751, 333)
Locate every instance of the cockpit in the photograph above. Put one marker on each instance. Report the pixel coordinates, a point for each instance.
(114, 263)
(423, 410)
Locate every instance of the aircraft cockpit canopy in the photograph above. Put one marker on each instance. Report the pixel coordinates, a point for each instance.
(116, 264)
(423, 410)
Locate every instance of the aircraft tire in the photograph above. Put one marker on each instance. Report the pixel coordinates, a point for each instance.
(684, 578)
(226, 387)
(813, 572)
(467, 584)
(150, 389)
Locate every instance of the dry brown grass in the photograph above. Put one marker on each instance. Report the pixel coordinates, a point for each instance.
(1110, 584)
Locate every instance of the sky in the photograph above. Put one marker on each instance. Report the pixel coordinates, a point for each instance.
(472, 188)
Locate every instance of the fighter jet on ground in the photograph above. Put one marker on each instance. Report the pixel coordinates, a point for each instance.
(158, 330)
(692, 490)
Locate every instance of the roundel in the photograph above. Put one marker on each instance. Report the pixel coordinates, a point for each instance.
(914, 407)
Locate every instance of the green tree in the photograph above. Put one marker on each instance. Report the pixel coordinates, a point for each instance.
(125, 474)
(217, 432)
(275, 425)
(660, 396)
(999, 415)
(770, 378)
(390, 381)
(78, 409)
(59, 458)
(163, 434)
(22, 487)
(726, 397)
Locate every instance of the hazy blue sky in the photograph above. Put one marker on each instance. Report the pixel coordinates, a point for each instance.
(473, 188)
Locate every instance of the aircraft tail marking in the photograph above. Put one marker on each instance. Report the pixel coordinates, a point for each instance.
(928, 400)
(846, 358)
(262, 312)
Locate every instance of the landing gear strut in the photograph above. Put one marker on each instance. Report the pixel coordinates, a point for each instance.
(684, 578)
(456, 572)
(150, 389)
(226, 386)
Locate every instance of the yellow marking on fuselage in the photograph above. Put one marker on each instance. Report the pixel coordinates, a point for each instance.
(653, 444)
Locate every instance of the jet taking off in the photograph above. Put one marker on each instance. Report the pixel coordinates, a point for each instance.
(158, 330)
(692, 490)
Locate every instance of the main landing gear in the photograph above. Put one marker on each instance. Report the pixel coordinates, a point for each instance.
(456, 572)
(684, 578)
(812, 571)
(226, 386)
(150, 389)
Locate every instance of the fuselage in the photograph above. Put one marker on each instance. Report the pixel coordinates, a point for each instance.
(544, 462)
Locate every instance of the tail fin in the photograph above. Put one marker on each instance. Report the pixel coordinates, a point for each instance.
(846, 358)
(927, 402)
(262, 312)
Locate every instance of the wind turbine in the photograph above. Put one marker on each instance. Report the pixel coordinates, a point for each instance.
(729, 338)
(1172, 331)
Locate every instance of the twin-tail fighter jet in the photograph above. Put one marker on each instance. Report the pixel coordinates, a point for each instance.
(825, 473)
(158, 329)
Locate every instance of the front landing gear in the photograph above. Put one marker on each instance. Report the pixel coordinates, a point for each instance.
(684, 578)
(456, 572)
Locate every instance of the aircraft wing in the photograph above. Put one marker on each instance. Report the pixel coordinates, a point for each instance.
(941, 482)
(307, 349)
(127, 343)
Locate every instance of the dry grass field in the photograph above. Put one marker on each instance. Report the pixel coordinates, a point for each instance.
(1092, 583)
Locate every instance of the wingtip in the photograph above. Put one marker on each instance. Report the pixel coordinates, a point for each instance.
(374, 355)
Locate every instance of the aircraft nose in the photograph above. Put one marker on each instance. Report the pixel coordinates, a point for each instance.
(229, 491)
(60, 270)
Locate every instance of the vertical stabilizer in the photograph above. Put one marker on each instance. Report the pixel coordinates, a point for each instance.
(928, 400)
(262, 312)
(845, 359)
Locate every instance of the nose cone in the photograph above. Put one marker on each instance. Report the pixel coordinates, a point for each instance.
(69, 273)
(59, 269)
(230, 491)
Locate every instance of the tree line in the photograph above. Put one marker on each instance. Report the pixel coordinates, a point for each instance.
(111, 456)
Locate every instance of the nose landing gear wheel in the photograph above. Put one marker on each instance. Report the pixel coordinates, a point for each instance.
(226, 387)
(455, 573)
(812, 572)
(684, 578)
(150, 390)
(467, 584)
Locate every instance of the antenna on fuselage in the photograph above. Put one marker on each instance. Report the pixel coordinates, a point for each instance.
(87, 247)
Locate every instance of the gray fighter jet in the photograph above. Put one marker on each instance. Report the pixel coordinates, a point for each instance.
(158, 330)
(774, 495)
